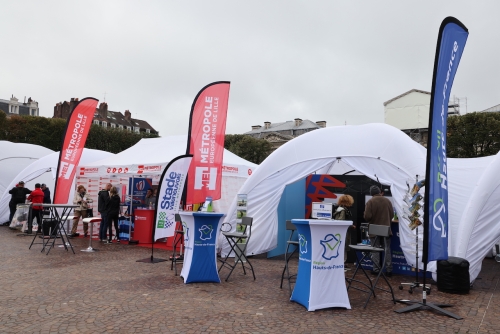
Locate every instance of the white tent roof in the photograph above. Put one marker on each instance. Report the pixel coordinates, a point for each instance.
(35, 173)
(13, 158)
(381, 152)
(151, 155)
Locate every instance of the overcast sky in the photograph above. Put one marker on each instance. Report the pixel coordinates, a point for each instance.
(333, 61)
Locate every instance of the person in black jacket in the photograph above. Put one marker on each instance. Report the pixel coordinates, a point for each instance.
(46, 194)
(18, 197)
(112, 212)
(46, 197)
(103, 197)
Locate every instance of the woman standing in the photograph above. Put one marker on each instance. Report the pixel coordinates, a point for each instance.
(343, 213)
(113, 210)
(82, 200)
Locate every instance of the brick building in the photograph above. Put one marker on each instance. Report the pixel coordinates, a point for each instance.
(106, 118)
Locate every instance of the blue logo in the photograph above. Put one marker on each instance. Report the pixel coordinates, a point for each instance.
(331, 245)
(206, 232)
(302, 244)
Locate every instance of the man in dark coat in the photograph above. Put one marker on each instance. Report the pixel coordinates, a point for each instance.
(46, 194)
(102, 199)
(46, 197)
(18, 196)
(379, 211)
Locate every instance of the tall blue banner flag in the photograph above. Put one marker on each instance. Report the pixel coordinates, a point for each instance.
(451, 42)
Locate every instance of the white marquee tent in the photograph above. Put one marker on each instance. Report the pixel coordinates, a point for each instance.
(44, 170)
(381, 152)
(150, 156)
(13, 158)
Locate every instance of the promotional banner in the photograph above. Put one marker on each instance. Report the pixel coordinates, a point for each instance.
(207, 128)
(75, 136)
(169, 195)
(450, 45)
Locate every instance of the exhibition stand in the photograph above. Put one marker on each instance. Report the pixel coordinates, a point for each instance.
(320, 278)
(201, 230)
(143, 225)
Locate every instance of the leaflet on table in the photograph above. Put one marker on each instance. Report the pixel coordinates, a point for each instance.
(207, 206)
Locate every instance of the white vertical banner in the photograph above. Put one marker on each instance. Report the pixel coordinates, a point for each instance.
(169, 196)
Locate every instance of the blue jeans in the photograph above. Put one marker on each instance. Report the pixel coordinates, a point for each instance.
(102, 227)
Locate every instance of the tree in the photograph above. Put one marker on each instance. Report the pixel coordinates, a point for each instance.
(473, 135)
(48, 132)
(248, 147)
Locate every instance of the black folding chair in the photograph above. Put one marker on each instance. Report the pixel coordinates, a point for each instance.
(290, 243)
(380, 232)
(239, 242)
(178, 242)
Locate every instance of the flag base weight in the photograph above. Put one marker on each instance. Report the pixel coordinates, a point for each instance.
(151, 260)
(427, 306)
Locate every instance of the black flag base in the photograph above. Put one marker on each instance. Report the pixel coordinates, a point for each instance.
(427, 306)
(151, 260)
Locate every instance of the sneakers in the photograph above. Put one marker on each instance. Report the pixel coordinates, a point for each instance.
(109, 242)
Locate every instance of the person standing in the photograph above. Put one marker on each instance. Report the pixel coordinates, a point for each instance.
(103, 197)
(46, 194)
(81, 199)
(18, 197)
(343, 212)
(113, 211)
(379, 211)
(36, 197)
(46, 197)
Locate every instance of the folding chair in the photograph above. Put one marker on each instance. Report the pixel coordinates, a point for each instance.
(238, 242)
(380, 231)
(178, 240)
(295, 244)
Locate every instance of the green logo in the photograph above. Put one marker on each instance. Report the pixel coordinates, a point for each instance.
(161, 220)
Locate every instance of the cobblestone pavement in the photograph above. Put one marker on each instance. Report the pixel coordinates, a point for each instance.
(109, 292)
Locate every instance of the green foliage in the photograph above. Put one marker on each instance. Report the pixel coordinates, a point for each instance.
(48, 132)
(473, 135)
(247, 147)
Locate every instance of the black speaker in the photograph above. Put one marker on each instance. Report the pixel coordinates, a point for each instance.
(453, 275)
(50, 227)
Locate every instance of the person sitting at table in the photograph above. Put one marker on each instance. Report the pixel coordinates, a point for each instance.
(81, 199)
(150, 199)
(343, 212)
(112, 213)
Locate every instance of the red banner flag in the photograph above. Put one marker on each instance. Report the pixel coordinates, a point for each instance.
(77, 129)
(207, 128)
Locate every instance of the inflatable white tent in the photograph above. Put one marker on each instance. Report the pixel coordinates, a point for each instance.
(13, 158)
(44, 170)
(382, 153)
(151, 155)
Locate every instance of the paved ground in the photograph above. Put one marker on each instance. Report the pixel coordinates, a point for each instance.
(108, 292)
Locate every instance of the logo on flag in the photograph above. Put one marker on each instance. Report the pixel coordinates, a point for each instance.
(66, 170)
(205, 177)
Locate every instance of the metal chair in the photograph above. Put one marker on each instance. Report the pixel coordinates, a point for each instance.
(295, 244)
(380, 231)
(178, 241)
(239, 242)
